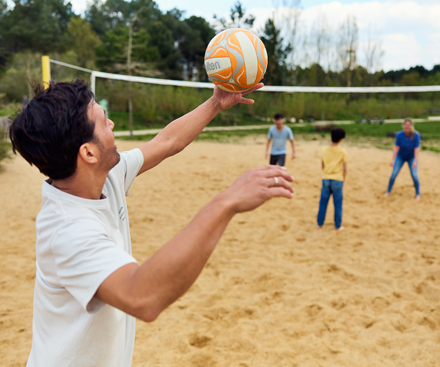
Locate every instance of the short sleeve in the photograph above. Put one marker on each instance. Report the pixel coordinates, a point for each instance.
(345, 157)
(290, 134)
(85, 256)
(270, 134)
(132, 162)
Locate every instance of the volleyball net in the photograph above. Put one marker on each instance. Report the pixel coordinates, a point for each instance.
(361, 111)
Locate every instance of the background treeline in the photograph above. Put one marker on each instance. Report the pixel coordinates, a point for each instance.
(171, 45)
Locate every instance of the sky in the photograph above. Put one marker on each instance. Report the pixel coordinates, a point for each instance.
(409, 29)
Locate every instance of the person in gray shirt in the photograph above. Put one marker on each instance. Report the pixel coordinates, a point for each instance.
(278, 135)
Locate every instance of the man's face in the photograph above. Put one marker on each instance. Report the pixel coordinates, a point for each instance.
(103, 137)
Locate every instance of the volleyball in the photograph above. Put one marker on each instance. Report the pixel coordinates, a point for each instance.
(235, 60)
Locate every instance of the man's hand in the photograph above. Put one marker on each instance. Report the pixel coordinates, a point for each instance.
(226, 100)
(258, 185)
(414, 165)
(392, 163)
(293, 155)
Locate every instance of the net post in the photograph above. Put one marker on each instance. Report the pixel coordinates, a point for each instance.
(45, 63)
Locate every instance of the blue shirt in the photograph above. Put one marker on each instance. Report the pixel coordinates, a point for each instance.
(279, 139)
(406, 145)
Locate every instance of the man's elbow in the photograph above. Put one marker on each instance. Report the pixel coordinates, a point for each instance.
(145, 310)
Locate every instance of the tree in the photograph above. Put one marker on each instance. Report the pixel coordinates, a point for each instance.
(277, 52)
(35, 25)
(82, 40)
(287, 17)
(193, 47)
(347, 47)
(374, 53)
(320, 41)
(111, 54)
(237, 18)
(111, 14)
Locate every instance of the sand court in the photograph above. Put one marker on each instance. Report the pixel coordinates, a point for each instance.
(276, 291)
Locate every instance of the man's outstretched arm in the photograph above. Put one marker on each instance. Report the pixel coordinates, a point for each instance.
(145, 290)
(181, 132)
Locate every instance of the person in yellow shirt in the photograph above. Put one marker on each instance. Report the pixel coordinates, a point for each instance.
(334, 165)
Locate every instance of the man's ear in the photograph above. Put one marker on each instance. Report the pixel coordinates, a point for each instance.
(88, 153)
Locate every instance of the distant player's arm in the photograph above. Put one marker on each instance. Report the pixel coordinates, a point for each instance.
(344, 168)
(416, 157)
(181, 132)
(145, 291)
(292, 142)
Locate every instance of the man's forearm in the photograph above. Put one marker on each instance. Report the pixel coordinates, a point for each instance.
(178, 134)
(170, 272)
(189, 126)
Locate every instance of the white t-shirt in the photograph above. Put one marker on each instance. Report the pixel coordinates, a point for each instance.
(80, 242)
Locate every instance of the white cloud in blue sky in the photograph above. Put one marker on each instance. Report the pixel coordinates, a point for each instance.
(410, 29)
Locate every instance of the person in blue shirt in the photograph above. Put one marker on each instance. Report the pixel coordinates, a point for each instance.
(278, 135)
(406, 149)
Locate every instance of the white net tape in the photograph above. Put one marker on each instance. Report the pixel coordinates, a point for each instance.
(268, 88)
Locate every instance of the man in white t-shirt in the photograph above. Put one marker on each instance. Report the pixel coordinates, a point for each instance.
(88, 287)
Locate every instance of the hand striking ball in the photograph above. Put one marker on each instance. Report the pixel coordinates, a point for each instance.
(235, 60)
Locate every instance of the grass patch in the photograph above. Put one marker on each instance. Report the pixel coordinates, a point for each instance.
(357, 134)
(431, 149)
(6, 112)
(136, 137)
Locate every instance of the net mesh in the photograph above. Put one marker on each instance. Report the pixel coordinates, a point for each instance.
(311, 111)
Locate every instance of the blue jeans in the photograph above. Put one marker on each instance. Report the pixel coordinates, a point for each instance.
(398, 163)
(330, 187)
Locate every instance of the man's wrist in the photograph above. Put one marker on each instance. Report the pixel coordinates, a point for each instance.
(216, 104)
(224, 203)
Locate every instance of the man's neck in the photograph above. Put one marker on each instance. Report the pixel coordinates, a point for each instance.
(280, 127)
(87, 185)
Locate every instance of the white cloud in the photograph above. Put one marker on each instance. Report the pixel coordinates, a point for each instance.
(410, 29)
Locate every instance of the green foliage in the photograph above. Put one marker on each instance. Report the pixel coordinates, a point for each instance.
(111, 55)
(81, 39)
(24, 67)
(37, 25)
(277, 53)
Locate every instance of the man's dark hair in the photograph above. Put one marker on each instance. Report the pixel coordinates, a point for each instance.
(278, 116)
(49, 131)
(337, 134)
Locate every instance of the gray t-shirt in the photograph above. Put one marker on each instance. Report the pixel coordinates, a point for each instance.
(279, 139)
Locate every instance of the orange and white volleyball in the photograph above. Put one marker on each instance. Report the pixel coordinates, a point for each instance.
(235, 60)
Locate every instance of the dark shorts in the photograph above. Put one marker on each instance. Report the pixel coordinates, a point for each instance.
(279, 158)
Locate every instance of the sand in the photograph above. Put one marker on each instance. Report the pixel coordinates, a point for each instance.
(277, 291)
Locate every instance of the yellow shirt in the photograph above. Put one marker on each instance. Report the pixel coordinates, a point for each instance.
(333, 159)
